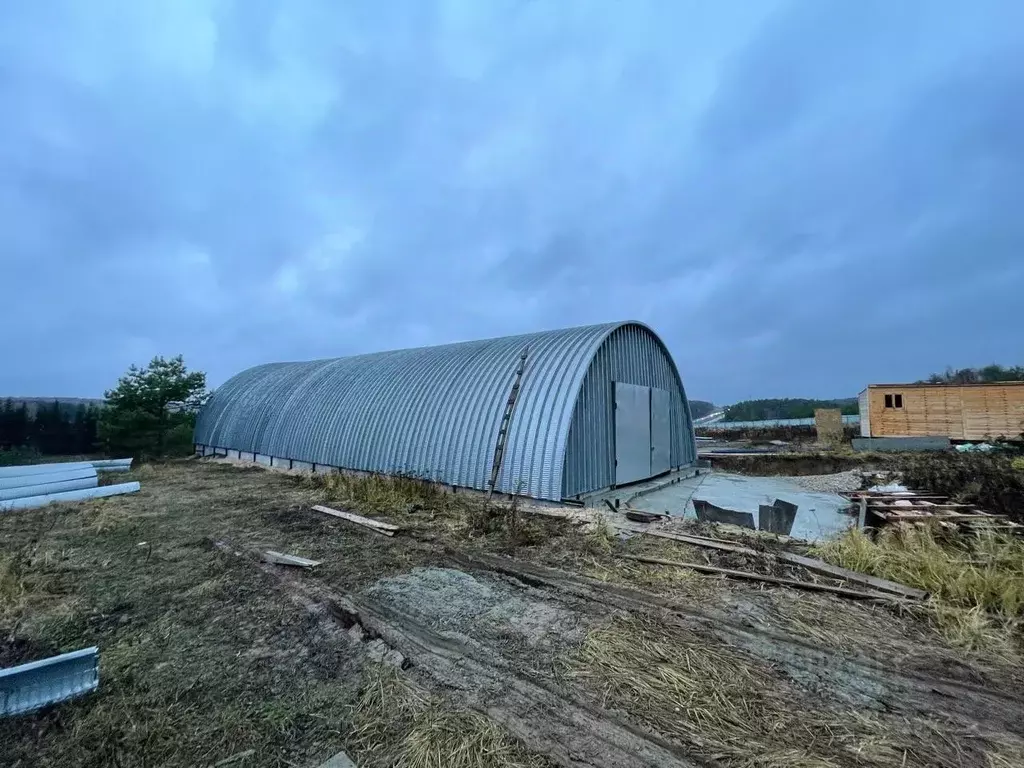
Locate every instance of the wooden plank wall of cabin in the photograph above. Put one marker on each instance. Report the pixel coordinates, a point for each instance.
(926, 412)
(945, 411)
(1015, 409)
(993, 411)
(887, 422)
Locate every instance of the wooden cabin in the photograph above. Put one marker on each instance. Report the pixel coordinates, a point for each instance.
(956, 411)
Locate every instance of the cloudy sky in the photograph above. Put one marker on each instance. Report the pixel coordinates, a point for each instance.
(800, 197)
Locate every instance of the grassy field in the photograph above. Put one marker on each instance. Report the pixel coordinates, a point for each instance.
(208, 655)
(203, 655)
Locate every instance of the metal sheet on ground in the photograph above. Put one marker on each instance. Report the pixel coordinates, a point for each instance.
(39, 683)
(632, 433)
(661, 431)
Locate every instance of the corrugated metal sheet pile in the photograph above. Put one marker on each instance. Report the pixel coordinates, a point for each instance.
(435, 412)
(36, 485)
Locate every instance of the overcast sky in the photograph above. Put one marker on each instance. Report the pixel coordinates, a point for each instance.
(800, 197)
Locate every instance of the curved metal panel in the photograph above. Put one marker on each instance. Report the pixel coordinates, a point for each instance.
(631, 354)
(430, 412)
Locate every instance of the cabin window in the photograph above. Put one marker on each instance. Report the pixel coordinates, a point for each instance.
(894, 401)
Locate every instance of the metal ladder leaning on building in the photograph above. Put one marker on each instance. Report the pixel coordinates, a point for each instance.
(506, 420)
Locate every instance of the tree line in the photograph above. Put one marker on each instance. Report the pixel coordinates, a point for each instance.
(50, 428)
(785, 408)
(149, 413)
(988, 374)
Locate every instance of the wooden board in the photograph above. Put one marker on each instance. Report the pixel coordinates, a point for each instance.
(387, 529)
(810, 563)
(279, 558)
(806, 585)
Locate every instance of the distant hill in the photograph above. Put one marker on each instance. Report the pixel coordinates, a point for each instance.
(699, 408)
(785, 408)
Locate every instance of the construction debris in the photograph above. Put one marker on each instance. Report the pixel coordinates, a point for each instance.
(31, 502)
(31, 686)
(279, 558)
(710, 513)
(643, 517)
(776, 518)
(385, 529)
(36, 485)
(884, 505)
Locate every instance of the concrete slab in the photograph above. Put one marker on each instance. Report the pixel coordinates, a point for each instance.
(819, 515)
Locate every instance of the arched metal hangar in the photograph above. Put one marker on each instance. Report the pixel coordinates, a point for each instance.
(599, 406)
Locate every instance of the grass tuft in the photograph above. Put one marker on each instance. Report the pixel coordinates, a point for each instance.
(418, 502)
(735, 710)
(731, 708)
(396, 724)
(976, 580)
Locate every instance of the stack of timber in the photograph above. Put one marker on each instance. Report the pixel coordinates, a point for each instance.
(880, 508)
(36, 485)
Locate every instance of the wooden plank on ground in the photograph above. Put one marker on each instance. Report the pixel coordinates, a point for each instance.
(386, 529)
(842, 591)
(810, 563)
(827, 569)
(279, 558)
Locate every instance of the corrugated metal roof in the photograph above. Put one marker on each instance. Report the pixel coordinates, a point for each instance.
(430, 412)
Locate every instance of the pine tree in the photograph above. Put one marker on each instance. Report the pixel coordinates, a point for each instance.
(137, 418)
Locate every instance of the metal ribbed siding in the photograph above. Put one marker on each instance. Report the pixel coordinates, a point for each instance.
(431, 412)
(632, 354)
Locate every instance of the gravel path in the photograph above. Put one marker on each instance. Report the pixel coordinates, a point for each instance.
(838, 482)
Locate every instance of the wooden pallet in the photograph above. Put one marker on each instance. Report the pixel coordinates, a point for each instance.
(883, 508)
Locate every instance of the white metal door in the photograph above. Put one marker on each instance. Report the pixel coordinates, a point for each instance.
(661, 431)
(632, 433)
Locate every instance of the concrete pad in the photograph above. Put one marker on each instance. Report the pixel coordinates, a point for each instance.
(818, 516)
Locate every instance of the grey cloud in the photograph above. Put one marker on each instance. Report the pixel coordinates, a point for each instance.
(800, 196)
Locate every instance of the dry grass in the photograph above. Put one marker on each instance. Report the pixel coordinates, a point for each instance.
(388, 494)
(421, 504)
(604, 566)
(976, 580)
(202, 654)
(730, 707)
(737, 711)
(397, 724)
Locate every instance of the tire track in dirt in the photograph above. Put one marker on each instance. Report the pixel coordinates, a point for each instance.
(893, 688)
(567, 730)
